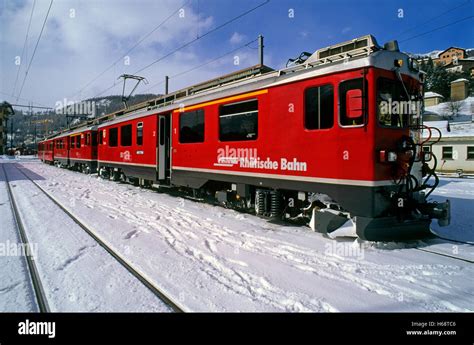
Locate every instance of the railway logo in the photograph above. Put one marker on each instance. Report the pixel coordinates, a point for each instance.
(248, 158)
(126, 156)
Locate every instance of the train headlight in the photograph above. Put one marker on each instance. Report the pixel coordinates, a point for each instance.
(387, 156)
(398, 63)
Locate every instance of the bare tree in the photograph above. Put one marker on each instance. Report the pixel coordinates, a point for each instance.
(453, 108)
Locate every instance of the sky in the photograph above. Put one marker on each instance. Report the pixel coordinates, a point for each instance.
(84, 45)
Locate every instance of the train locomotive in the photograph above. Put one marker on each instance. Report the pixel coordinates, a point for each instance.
(334, 139)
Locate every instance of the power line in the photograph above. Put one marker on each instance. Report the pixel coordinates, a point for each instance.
(22, 98)
(438, 16)
(29, 106)
(34, 51)
(202, 65)
(204, 35)
(190, 42)
(132, 48)
(24, 47)
(437, 28)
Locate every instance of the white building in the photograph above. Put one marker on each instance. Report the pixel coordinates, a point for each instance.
(455, 150)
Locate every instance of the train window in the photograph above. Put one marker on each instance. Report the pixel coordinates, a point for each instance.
(100, 133)
(351, 110)
(73, 142)
(126, 135)
(319, 107)
(78, 141)
(470, 152)
(191, 126)
(447, 152)
(140, 133)
(88, 139)
(239, 121)
(113, 137)
(391, 99)
(94, 139)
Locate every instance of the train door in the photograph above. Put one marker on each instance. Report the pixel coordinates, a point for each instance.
(164, 144)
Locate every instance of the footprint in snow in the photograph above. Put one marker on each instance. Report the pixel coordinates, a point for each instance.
(131, 234)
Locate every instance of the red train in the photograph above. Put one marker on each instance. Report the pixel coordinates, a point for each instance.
(314, 139)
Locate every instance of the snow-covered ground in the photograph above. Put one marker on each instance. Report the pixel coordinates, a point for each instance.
(213, 259)
(466, 111)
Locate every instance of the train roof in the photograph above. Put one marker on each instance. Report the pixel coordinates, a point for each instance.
(357, 53)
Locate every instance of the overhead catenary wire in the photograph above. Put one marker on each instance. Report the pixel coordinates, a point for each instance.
(203, 64)
(25, 99)
(132, 48)
(34, 51)
(434, 18)
(203, 35)
(188, 43)
(437, 28)
(24, 47)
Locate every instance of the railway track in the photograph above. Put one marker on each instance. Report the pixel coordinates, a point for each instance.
(30, 261)
(163, 296)
(447, 255)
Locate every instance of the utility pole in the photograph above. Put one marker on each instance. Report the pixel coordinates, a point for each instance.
(11, 134)
(260, 50)
(166, 84)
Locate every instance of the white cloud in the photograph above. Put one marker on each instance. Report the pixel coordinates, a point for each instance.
(236, 38)
(346, 30)
(73, 51)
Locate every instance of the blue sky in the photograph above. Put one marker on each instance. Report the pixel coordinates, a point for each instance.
(73, 51)
(323, 22)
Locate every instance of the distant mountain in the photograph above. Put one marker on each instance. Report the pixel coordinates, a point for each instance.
(110, 104)
(45, 123)
(434, 54)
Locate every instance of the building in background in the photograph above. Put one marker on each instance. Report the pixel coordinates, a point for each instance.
(432, 98)
(6, 110)
(459, 89)
(449, 55)
(455, 150)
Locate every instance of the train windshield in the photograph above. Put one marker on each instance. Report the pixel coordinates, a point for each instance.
(398, 105)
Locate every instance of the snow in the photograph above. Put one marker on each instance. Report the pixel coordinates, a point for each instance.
(455, 129)
(77, 274)
(460, 191)
(214, 259)
(433, 54)
(466, 112)
(432, 94)
(16, 293)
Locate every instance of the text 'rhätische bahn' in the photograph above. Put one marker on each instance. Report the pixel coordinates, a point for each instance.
(328, 139)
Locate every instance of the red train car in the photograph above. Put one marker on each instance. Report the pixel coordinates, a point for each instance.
(320, 138)
(46, 151)
(123, 149)
(83, 149)
(61, 150)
